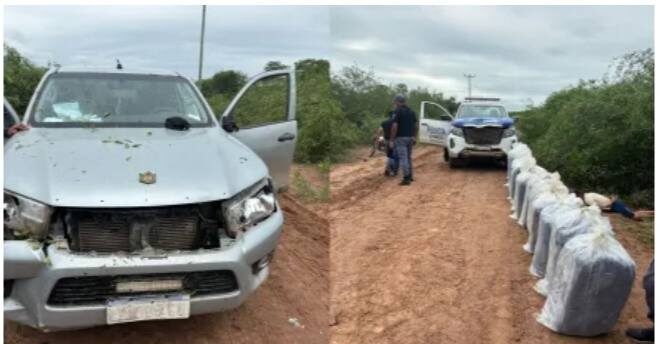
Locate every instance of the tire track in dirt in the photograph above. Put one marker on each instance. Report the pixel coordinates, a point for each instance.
(439, 261)
(349, 182)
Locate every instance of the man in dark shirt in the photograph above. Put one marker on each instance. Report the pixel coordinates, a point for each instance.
(402, 138)
(392, 161)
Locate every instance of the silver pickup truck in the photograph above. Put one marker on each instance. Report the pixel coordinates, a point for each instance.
(128, 200)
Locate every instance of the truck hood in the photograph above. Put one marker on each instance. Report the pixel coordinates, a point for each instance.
(505, 122)
(77, 167)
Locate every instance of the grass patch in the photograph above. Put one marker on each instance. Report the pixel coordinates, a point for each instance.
(308, 192)
(643, 231)
(324, 167)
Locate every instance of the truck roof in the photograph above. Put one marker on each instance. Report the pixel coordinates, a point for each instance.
(113, 70)
(481, 101)
(468, 102)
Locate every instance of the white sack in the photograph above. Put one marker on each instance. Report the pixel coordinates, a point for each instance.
(518, 150)
(521, 184)
(591, 286)
(561, 214)
(537, 184)
(520, 164)
(557, 191)
(591, 220)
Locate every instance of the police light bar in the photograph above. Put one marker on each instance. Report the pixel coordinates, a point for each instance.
(482, 99)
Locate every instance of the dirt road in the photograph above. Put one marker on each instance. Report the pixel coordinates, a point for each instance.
(439, 261)
(297, 288)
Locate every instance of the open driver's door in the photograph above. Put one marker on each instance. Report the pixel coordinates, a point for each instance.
(264, 113)
(435, 123)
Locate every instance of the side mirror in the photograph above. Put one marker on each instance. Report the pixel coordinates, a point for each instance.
(229, 125)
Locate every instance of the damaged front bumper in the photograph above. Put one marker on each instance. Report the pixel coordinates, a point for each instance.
(32, 270)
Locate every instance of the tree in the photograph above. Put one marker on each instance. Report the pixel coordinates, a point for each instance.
(20, 79)
(323, 131)
(221, 88)
(599, 134)
(366, 100)
(318, 112)
(401, 88)
(225, 82)
(356, 80)
(274, 65)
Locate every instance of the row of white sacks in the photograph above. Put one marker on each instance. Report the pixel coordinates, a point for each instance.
(584, 272)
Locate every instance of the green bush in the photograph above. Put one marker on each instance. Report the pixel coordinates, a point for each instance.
(365, 101)
(20, 79)
(317, 111)
(323, 131)
(599, 135)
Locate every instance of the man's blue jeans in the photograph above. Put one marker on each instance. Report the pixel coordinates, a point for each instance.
(618, 206)
(392, 160)
(404, 148)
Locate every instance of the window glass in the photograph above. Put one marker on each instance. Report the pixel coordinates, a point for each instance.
(266, 101)
(491, 111)
(432, 111)
(117, 99)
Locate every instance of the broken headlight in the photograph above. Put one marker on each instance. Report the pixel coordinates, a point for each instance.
(249, 207)
(26, 218)
(457, 132)
(509, 132)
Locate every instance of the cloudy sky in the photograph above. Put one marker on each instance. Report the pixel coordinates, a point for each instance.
(241, 38)
(516, 52)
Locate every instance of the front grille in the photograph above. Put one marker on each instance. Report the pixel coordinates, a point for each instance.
(113, 230)
(89, 290)
(483, 136)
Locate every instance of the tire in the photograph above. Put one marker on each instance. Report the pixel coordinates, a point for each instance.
(446, 156)
(455, 162)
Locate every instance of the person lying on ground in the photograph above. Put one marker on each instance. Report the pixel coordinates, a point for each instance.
(614, 205)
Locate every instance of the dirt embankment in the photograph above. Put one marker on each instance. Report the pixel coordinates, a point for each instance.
(297, 288)
(440, 261)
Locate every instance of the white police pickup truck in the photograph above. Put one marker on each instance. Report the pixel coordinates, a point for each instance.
(481, 128)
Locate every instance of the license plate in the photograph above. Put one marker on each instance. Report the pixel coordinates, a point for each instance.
(125, 310)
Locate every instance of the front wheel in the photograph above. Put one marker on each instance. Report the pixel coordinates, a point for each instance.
(446, 156)
(455, 162)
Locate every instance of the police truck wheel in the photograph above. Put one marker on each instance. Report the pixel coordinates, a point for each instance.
(455, 162)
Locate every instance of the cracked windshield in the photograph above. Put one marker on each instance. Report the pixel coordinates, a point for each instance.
(118, 100)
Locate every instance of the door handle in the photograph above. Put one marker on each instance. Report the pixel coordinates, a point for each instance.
(286, 137)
